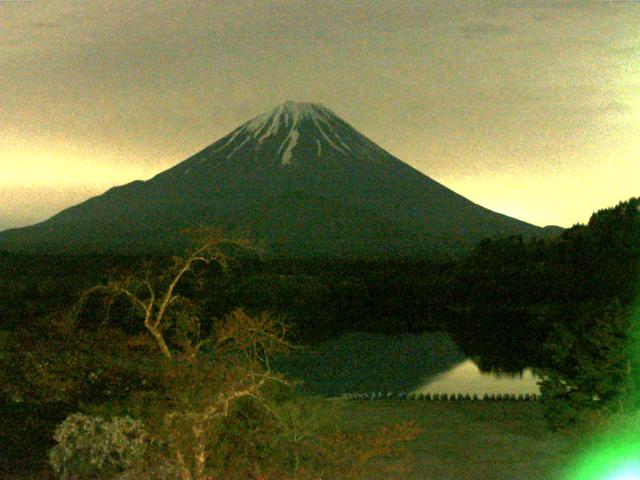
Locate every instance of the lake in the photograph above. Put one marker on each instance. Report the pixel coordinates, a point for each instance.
(466, 378)
(367, 362)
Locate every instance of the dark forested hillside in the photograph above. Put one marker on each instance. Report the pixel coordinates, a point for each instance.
(506, 288)
(515, 292)
(557, 305)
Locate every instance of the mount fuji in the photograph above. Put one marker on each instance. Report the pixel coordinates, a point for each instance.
(298, 178)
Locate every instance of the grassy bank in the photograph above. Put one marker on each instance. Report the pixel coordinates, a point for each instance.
(471, 440)
(460, 440)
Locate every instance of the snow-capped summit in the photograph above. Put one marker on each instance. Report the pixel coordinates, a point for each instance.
(297, 177)
(286, 117)
(293, 133)
(289, 115)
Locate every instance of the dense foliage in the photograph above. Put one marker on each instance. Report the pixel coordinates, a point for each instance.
(97, 448)
(175, 393)
(564, 306)
(592, 348)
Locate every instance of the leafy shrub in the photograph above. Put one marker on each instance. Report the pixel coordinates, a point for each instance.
(92, 447)
(589, 365)
(218, 410)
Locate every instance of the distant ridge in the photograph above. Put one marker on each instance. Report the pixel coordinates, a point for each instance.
(298, 178)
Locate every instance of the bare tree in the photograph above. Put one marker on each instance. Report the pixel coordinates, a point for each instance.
(213, 380)
(235, 366)
(238, 348)
(154, 297)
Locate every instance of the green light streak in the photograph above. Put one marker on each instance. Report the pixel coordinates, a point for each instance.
(615, 455)
(617, 460)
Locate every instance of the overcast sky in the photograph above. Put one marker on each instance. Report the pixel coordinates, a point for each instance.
(528, 108)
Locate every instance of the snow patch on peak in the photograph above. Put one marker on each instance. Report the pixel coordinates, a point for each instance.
(286, 122)
(297, 110)
(328, 138)
(291, 142)
(270, 127)
(287, 115)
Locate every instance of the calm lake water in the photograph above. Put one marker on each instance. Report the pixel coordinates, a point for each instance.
(425, 363)
(466, 378)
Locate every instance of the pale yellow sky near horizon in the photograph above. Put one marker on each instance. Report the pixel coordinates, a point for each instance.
(528, 108)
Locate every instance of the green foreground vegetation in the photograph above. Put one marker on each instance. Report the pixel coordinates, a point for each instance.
(458, 440)
(143, 368)
(472, 440)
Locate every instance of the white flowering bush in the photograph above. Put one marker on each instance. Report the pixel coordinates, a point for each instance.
(92, 447)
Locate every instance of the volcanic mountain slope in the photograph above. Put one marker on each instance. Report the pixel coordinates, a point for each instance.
(300, 179)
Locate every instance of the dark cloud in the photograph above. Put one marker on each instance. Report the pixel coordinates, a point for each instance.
(43, 25)
(476, 29)
(438, 83)
(545, 11)
(568, 5)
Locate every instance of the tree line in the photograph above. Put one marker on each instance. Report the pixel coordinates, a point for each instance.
(564, 306)
(135, 380)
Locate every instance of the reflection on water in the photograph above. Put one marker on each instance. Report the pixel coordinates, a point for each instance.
(367, 362)
(466, 378)
(371, 362)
